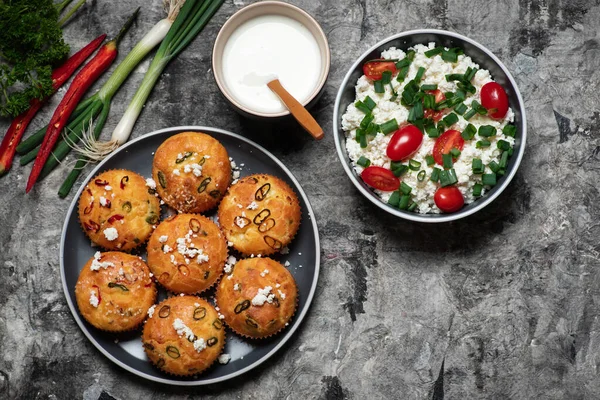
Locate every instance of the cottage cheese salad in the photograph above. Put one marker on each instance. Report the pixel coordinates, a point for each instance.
(429, 131)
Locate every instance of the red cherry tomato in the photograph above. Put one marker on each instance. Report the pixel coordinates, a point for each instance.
(405, 143)
(374, 69)
(448, 199)
(447, 141)
(494, 98)
(380, 178)
(435, 115)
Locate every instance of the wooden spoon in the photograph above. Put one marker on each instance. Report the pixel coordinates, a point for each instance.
(298, 111)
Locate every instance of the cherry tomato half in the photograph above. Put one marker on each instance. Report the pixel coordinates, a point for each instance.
(494, 98)
(448, 199)
(404, 143)
(374, 69)
(380, 178)
(435, 115)
(447, 141)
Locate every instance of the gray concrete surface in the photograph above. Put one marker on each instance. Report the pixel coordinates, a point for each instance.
(502, 305)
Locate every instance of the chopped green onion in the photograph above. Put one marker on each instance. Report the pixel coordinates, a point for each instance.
(412, 207)
(421, 175)
(386, 77)
(432, 132)
(429, 160)
(501, 172)
(394, 199)
(494, 166)
(429, 87)
(447, 161)
(503, 145)
(469, 132)
(369, 103)
(372, 129)
(389, 126)
(435, 174)
(428, 101)
(416, 112)
(470, 114)
(379, 87)
(478, 107)
(477, 188)
(460, 94)
(414, 165)
(509, 130)
(362, 107)
(450, 119)
(363, 141)
(449, 95)
(470, 73)
(359, 132)
(510, 152)
(402, 74)
(433, 52)
(455, 152)
(448, 178)
(363, 162)
(477, 166)
(460, 108)
(449, 56)
(366, 121)
(405, 189)
(405, 62)
(410, 55)
(454, 77)
(420, 73)
(487, 131)
(504, 159)
(398, 168)
(404, 200)
(482, 143)
(488, 179)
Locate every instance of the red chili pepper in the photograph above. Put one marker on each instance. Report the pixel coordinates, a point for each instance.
(98, 295)
(116, 217)
(89, 208)
(89, 191)
(91, 226)
(81, 83)
(19, 124)
(101, 182)
(124, 180)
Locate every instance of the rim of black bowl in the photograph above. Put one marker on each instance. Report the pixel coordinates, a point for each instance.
(340, 136)
(284, 339)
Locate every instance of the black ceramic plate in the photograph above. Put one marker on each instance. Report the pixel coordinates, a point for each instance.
(304, 256)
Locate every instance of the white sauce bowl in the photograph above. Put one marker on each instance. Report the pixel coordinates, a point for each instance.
(267, 40)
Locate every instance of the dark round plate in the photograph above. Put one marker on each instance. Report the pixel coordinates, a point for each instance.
(304, 257)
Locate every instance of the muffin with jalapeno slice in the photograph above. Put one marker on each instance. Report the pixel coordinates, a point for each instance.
(115, 291)
(260, 214)
(117, 211)
(258, 298)
(187, 253)
(183, 335)
(192, 171)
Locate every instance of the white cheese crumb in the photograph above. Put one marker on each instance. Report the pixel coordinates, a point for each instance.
(287, 264)
(94, 301)
(252, 206)
(121, 272)
(111, 234)
(199, 344)
(167, 249)
(231, 260)
(107, 187)
(265, 272)
(277, 285)
(103, 201)
(151, 311)
(263, 295)
(163, 238)
(151, 183)
(176, 172)
(281, 294)
(240, 222)
(182, 329)
(97, 264)
(236, 286)
(229, 244)
(224, 358)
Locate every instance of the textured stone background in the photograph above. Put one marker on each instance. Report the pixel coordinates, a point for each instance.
(502, 305)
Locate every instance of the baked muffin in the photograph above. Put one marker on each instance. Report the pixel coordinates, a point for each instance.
(114, 291)
(183, 335)
(117, 211)
(187, 253)
(260, 214)
(258, 298)
(192, 171)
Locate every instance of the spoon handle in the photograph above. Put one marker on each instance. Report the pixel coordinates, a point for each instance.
(298, 111)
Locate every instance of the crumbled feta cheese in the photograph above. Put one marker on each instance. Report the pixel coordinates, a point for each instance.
(236, 286)
(176, 172)
(151, 311)
(265, 272)
(196, 169)
(108, 187)
(151, 183)
(281, 294)
(97, 264)
(103, 201)
(241, 222)
(287, 264)
(231, 260)
(111, 234)
(252, 206)
(277, 285)
(199, 345)
(224, 358)
(163, 238)
(262, 296)
(94, 301)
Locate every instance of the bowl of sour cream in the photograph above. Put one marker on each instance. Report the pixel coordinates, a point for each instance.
(265, 41)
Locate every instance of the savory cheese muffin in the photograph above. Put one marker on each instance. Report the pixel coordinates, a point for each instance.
(258, 298)
(187, 253)
(192, 171)
(183, 335)
(117, 211)
(114, 291)
(260, 214)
